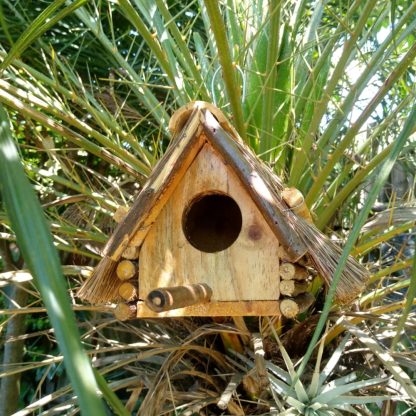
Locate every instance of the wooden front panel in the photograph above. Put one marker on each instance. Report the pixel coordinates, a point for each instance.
(247, 270)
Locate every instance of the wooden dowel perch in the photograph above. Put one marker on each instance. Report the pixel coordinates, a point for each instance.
(168, 298)
(290, 308)
(125, 311)
(292, 288)
(128, 291)
(290, 271)
(126, 269)
(295, 200)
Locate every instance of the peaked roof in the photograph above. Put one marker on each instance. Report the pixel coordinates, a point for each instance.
(192, 126)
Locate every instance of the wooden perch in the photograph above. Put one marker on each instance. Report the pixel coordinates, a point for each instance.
(126, 269)
(168, 298)
(125, 311)
(128, 291)
(290, 308)
(295, 200)
(290, 271)
(292, 288)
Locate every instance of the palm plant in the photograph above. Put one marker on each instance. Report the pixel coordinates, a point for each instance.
(319, 89)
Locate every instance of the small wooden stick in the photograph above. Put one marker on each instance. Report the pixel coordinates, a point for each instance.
(287, 271)
(168, 298)
(259, 359)
(290, 308)
(120, 214)
(290, 271)
(127, 291)
(294, 198)
(131, 253)
(292, 288)
(125, 311)
(126, 270)
(229, 390)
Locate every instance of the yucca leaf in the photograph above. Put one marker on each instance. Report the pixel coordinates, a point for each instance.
(229, 71)
(41, 24)
(385, 357)
(268, 141)
(35, 242)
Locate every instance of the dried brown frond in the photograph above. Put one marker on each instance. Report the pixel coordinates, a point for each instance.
(102, 286)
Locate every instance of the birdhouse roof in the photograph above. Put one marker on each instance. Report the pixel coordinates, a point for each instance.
(192, 127)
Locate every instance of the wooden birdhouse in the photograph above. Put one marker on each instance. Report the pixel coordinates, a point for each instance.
(214, 233)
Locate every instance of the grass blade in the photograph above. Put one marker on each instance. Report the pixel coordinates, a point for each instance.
(36, 244)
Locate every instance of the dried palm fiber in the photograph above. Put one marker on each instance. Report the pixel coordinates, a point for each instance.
(102, 286)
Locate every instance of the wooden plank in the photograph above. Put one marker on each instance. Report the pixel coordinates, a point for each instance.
(160, 186)
(247, 270)
(263, 186)
(248, 308)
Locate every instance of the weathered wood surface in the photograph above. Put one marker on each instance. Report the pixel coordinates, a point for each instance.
(263, 186)
(247, 270)
(249, 308)
(168, 298)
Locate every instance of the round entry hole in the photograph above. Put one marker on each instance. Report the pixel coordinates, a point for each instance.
(212, 222)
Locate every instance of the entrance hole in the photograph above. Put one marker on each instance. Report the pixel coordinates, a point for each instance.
(212, 222)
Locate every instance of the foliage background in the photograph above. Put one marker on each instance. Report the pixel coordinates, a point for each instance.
(321, 90)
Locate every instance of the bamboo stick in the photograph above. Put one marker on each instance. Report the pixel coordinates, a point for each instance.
(168, 298)
(295, 200)
(125, 311)
(128, 291)
(292, 288)
(290, 308)
(290, 271)
(126, 269)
